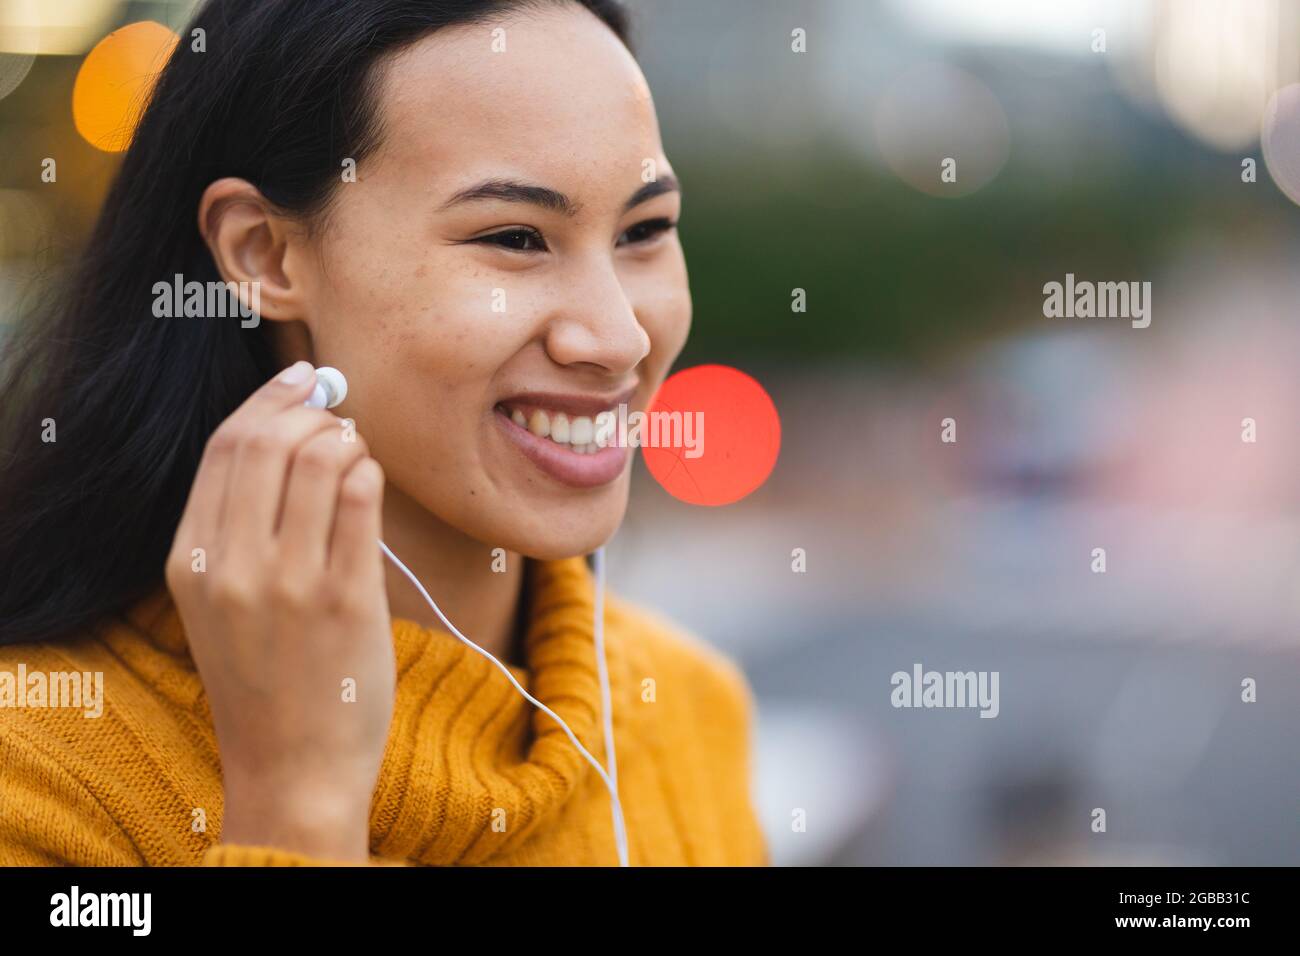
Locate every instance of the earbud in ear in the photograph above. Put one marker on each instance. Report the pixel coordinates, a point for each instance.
(331, 388)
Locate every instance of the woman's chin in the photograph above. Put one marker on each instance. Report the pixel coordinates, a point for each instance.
(567, 535)
(557, 549)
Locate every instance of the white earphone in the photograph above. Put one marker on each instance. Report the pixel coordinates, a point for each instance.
(331, 389)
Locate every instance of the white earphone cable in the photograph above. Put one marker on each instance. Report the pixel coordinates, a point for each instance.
(610, 779)
(606, 707)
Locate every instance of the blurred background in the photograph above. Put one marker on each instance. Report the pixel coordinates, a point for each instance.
(1129, 141)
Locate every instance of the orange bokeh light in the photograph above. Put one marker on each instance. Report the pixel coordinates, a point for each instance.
(115, 80)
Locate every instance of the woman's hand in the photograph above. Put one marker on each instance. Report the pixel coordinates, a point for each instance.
(287, 620)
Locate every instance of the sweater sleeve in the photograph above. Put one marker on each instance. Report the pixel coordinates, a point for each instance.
(725, 710)
(718, 718)
(50, 817)
(735, 712)
(238, 854)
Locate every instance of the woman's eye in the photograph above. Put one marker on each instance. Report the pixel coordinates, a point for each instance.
(527, 239)
(520, 240)
(645, 231)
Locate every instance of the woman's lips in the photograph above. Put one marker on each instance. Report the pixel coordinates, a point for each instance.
(568, 467)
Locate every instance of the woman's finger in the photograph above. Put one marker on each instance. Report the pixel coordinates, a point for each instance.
(259, 475)
(204, 510)
(316, 472)
(354, 545)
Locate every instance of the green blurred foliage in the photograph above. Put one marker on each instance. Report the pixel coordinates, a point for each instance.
(894, 274)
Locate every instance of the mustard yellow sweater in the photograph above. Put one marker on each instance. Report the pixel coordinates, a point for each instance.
(472, 773)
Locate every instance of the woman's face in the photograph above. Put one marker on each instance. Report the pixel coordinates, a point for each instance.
(453, 311)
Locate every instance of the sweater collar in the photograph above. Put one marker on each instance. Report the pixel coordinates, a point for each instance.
(471, 769)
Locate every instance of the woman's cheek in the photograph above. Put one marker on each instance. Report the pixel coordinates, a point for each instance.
(661, 296)
(666, 319)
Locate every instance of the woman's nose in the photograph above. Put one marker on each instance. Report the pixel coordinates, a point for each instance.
(595, 321)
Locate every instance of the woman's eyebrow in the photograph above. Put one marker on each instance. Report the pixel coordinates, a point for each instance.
(510, 190)
(666, 183)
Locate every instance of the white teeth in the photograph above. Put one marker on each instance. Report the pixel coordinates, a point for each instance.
(581, 431)
(560, 428)
(581, 434)
(540, 424)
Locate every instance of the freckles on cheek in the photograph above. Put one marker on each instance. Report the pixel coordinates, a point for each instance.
(379, 254)
(430, 315)
(436, 351)
(388, 302)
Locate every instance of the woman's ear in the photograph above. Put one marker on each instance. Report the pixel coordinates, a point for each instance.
(251, 242)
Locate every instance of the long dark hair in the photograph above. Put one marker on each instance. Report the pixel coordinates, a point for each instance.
(283, 92)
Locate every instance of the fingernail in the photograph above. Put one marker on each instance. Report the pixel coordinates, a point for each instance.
(297, 373)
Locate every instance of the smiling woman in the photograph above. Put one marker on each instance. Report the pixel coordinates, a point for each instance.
(505, 250)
